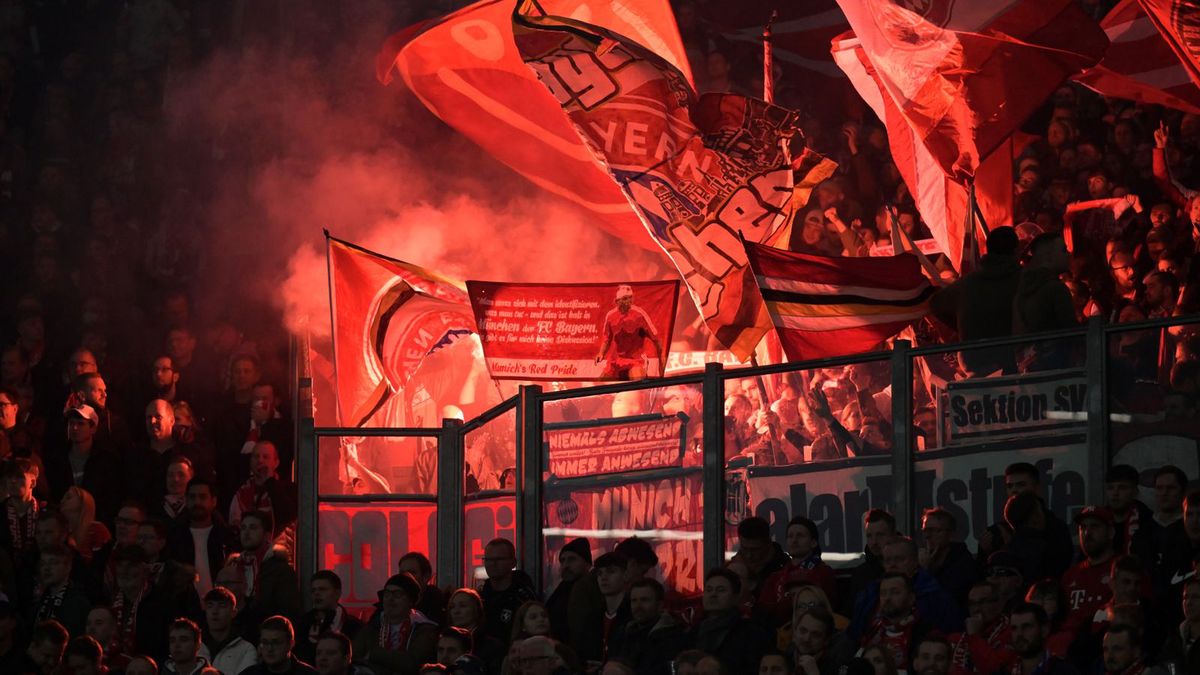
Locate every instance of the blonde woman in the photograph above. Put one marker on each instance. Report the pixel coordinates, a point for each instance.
(805, 596)
(87, 534)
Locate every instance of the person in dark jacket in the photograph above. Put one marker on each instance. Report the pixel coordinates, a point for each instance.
(652, 637)
(85, 462)
(761, 556)
(59, 599)
(1181, 650)
(432, 603)
(592, 641)
(879, 527)
(971, 303)
(574, 560)
(947, 559)
(505, 590)
(1043, 302)
(271, 584)
(201, 522)
(325, 614)
(1038, 552)
(735, 641)
(1137, 531)
(1024, 477)
(399, 638)
(276, 639)
(934, 605)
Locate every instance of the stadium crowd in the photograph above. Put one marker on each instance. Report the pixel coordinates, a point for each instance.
(147, 530)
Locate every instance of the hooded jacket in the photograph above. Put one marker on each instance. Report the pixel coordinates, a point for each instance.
(1043, 302)
(649, 647)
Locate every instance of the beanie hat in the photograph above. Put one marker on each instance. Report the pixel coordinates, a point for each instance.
(580, 547)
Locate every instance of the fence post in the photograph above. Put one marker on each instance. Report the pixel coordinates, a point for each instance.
(306, 518)
(529, 492)
(902, 446)
(1097, 409)
(714, 467)
(450, 507)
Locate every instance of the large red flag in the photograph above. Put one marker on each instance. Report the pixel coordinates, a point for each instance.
(941, 200)
(1140, 64)
(1179, 23)
(699, 172)
(825, 306)
(964, 75)
(465, 68)
(386, 316)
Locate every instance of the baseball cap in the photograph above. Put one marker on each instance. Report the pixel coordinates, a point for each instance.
(624, 291)
(1095, 513)
(1003, 563)
(82, 411)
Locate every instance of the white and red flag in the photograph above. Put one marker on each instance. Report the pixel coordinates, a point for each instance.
(941, 200)
(387, 316)
(965, 74)
(466, 70)
(952, 81)
(1140, 64)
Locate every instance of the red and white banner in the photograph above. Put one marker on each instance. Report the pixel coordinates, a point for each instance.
(1140, 64)
(574, 332)
(465, 68)
(1179, 22)
(576, 450)
(386, 315)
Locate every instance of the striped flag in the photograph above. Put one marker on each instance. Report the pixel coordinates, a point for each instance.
(1140, 64)
(825, 307)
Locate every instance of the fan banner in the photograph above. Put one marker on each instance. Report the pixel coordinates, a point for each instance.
(590, 448)
(574, 332)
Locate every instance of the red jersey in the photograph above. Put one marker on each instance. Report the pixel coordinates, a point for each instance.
(1087, 591)
(894, 637)
(629, 331)
(987, 652)
(813, 570)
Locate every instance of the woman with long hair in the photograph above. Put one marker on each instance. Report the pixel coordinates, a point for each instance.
(532, 618)
(86, 533)
(464, 610)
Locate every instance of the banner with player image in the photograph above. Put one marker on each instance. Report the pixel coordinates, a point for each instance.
(575, 332)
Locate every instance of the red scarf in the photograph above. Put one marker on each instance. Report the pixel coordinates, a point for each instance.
(1137, 668)
(395, 638)
(21, 529)
(962, 648)
(127, 618)
(251, 498)
(894, 636)
(251, 561)
(1132, 523)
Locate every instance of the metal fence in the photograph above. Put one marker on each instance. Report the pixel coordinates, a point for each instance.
(521, 424)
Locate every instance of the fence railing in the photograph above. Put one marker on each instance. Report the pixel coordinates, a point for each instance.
(525, 436)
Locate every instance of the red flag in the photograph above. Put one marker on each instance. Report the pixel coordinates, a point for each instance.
(700, 173)
(1179, 23)
(1140, 65)
(941, 200)
(386, 316)
(964, 75)
(466, 70)
(826, 307)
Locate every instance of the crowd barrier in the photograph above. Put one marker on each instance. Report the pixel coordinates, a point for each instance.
(653, 458)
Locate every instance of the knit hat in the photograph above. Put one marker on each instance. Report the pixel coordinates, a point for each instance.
(580, 547)
(404, 582)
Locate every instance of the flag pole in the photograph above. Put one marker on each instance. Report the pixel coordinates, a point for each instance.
(776, 449)
(332, 330)
(768, 60)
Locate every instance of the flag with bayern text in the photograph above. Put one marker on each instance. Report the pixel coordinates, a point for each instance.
(698, 171)
(1178, 21)
(824, 306)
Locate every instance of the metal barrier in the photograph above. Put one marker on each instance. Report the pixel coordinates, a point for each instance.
(531, 455)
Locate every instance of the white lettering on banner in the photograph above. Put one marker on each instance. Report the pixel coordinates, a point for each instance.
(1017, 406)
(969, 482)
(631, 446)
(683, 362)
(926, 246)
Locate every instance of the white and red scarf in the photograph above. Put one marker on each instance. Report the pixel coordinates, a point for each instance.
(20, 528)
